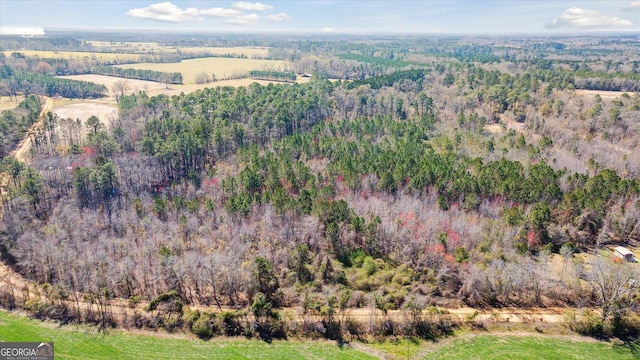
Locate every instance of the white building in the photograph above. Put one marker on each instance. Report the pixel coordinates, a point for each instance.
(624, 253)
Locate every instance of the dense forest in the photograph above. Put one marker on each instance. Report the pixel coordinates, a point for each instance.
(421, 175)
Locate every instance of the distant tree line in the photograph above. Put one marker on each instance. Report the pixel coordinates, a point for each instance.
(273, 75)
(138, 74)
(32, 83)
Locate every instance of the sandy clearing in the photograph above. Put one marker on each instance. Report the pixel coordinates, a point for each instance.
(221, 67)
(603, 94)
(84, 110)
(493, 128)
(187, 89)
(153, 88)
(133, 86)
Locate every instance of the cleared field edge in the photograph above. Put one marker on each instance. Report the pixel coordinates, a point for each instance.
(526, 345)
(222, 68)
(81, 341)
(605, 94)
(79, 55)
(135, 50)
(154, 88)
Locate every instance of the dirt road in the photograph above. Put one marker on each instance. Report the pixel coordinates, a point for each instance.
(22, 150)
(23, 290)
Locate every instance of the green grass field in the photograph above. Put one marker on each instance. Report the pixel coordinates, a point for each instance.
(83, 342)
(80, 342)
(493, 347)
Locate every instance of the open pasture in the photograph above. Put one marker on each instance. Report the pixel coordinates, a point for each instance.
(510, 347)
(7, 103)
(154, 88)
(126, 46)
(77, 55)
(221, 67)
(250, 52)
(78, 342)
(132, 85)
(107, 113)
(147, 47)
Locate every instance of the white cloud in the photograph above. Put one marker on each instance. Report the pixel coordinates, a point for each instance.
(277, 17)
(328, 30)
(586, 19)
(219, 12)
(168, 12)
(241, 5)
(248, 19)
(633, 6)
(21, 30)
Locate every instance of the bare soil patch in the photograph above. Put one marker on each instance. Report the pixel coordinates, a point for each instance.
(107, 113)
(603, 94)
(134, 86)
(221, 67)
(493, 128)
(187, 89)
(153, 88)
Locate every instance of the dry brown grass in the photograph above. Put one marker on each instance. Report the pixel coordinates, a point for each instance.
(603, 94)
(133, 86)
(8, 103)
(153, 88)
(107, 113)
(146, 47)
(78, 55)
(250, 52)
(220, 67)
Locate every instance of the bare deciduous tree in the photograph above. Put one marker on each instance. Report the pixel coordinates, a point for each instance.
(614, 284)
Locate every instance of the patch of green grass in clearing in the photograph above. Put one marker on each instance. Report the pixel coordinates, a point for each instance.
(83, 342)
(401, 348)
(510, 347)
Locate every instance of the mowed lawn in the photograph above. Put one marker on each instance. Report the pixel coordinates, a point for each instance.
(509, 347)
(221, 67)
(79, 342)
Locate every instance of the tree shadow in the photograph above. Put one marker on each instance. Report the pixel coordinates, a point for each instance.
(629, 343)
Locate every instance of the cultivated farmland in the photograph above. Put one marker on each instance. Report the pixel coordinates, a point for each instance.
(79, 55)
(149, 47)
(250, 52)
(222, 68)
(84, 110)
(153, 88)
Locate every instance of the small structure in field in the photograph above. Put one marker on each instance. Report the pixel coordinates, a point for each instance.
(624, 253)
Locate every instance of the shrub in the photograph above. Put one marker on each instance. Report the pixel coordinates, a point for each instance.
(203, 327)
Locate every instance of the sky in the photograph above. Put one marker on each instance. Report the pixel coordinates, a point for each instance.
(346, 17)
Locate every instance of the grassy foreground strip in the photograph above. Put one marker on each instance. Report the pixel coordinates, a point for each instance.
(511, 347)
(73, 342)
